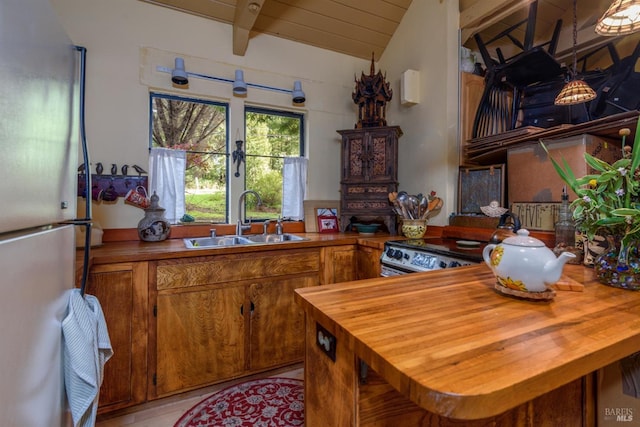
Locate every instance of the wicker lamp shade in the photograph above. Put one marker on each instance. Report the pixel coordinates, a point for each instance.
(575, 92)
(622, 17)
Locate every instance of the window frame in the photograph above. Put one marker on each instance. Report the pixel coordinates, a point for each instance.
(200, 100)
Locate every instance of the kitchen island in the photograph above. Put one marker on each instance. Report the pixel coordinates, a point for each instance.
(444, 348)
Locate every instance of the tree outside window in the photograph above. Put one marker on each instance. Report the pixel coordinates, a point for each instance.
(200, 128)
(270, 137)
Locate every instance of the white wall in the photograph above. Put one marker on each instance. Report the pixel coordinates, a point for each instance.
(427, 41)
(127, 39)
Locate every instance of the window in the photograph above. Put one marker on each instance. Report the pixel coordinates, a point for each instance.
(200, 128)
(270, 137)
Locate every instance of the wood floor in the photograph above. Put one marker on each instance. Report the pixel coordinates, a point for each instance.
(165, 412)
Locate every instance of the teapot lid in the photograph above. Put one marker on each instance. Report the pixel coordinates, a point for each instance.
(523, 239)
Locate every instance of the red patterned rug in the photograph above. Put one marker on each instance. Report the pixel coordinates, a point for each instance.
(277, 402)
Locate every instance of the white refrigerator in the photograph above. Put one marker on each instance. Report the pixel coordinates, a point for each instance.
(40, 104)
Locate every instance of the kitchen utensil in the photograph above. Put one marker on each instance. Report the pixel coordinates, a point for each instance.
(414, 204)
(433, 207)
(402, 201)
(424, 203)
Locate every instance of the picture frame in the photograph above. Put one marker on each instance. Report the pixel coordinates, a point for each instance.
(327, 219)
(311, 214)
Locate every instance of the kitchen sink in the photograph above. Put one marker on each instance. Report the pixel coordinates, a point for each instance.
(274, 238)
(209, 242)
(250, 239)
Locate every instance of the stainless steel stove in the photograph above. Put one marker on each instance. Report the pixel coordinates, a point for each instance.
(416, 255)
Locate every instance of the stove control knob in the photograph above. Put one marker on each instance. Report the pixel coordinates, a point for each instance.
(406, 256)
(390, 252)
(454, 264)
(443, 264)
(398, 254)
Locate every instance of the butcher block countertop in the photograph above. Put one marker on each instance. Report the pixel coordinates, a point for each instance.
(454, 346)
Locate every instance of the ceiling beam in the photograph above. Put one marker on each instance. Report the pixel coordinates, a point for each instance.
(483, 14)
(245, 16)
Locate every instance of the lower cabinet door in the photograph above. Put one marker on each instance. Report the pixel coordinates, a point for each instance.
(276, 335)
(200, 337)
(122, 292)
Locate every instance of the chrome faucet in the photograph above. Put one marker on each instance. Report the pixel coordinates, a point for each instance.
(279, 226)
(265, 227)
(242, 219)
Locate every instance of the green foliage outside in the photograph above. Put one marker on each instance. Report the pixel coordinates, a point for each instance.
(200, 129)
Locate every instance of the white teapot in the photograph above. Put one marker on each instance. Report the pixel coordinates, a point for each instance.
(524, 263)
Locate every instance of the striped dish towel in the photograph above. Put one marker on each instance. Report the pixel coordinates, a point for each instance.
(87, 347)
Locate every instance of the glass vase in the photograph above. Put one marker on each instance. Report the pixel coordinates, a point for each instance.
(619, 265)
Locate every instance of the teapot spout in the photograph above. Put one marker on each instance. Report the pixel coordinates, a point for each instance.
(553, 269)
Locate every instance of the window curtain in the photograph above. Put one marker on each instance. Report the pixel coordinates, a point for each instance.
(167, 168)
(294, 187)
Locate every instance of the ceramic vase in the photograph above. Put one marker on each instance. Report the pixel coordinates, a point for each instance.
(619, 265)
(414, 228)
(154, 227)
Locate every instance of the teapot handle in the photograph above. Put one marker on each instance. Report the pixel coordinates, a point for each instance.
(486, 254)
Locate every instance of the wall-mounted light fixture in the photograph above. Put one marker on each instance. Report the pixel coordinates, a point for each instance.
(239, 85)
(179, 74)
(622, 17)
(297, 94)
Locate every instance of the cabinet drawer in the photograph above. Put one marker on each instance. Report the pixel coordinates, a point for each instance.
(200, 271)
(378, 191)
(366, 205)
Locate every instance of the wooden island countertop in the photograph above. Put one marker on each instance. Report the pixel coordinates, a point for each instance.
(451, 344)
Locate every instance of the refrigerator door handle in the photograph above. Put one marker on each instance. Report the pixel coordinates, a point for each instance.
(86, 221)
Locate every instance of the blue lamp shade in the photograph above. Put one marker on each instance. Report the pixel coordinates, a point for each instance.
(297, 94)
(179, 75)
(239, 85)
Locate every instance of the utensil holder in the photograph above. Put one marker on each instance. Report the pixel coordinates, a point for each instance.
(414, 228)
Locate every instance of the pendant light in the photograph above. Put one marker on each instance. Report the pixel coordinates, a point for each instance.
(575, 91)
(622, 17)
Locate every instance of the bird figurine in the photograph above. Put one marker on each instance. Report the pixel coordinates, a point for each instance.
(81, 168)
(99, 168)
(139, 169)
(124, 169)
(114, 169)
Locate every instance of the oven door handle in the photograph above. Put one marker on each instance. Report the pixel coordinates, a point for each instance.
(399, 269)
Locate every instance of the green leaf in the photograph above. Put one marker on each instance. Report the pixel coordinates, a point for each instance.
(610, 221)
(625, 212)
(597, 164)
(635, 154)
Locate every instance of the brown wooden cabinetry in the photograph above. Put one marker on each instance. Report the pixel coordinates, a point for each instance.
(369, 162)
(122, 291)
(368, 262)
(222, 317)
(339, 264)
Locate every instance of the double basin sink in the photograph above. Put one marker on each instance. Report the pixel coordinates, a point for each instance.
(251, 239)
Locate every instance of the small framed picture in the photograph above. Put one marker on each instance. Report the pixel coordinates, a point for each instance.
(327, 219)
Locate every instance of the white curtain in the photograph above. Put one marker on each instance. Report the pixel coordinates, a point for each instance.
(166, 172)
(294, 187)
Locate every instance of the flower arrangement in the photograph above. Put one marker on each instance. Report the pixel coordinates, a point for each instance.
(608, 201)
